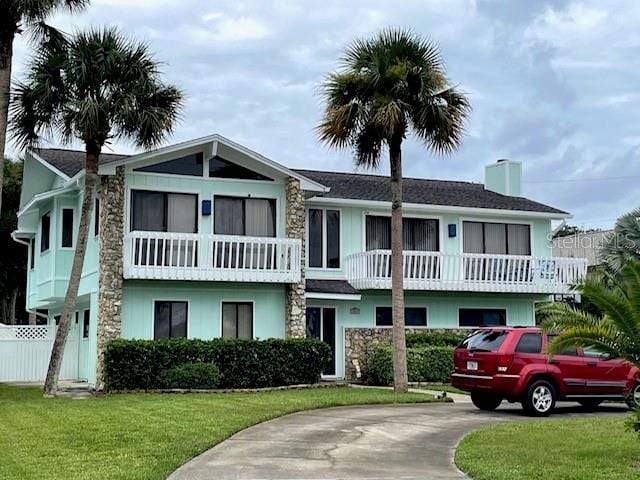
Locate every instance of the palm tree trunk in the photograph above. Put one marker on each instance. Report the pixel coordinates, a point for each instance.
(91, 176)
(6, 54)
(400, 379)
(32, 318)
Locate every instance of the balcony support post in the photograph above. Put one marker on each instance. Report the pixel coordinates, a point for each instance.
(295, 305)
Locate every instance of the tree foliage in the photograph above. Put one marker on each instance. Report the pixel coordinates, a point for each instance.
(623, 244)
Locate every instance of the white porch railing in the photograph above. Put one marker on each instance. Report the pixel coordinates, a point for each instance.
(466, 272)
(192, 256)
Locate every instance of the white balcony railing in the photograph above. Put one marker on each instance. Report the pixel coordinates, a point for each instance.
(192, 256)
(466, 272)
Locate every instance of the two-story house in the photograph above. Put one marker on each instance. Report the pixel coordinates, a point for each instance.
(207, 239)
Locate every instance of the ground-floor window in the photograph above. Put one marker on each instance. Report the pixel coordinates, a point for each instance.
(482, 317)
(170, 319)
(413, 317)
(85, 324)
(237, 320)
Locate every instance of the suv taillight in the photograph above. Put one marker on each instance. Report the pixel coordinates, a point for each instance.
(504, 362)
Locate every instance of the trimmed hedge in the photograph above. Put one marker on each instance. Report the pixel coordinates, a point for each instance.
(191, 376)
(436, 339)
(139, 364)
(424, 364)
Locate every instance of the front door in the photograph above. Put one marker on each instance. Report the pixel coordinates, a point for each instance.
(321, 324)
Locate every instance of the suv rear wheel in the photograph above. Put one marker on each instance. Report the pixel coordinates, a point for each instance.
(485, 400)
(540, 398)
(633, 400)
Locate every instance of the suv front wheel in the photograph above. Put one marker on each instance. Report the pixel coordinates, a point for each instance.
(540, 398)
(485, 400)
(633, 400)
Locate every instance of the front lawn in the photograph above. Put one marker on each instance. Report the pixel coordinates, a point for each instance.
(571, 449)
(141, 436)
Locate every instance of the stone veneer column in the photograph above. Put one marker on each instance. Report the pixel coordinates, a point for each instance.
(295, 315)
(110, 278)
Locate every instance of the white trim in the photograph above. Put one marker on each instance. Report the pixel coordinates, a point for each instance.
(41, 160)
(153, 314)
(306, 183)
(253, 316)
(324, 266)
(44, 196)
(436, 208)
(333, 296)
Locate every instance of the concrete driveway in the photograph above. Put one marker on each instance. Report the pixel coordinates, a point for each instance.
(372, 442)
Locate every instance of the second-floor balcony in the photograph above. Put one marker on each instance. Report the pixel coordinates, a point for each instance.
(466, 272)
(194, 256)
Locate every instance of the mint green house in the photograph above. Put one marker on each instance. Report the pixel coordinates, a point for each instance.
(207, 239)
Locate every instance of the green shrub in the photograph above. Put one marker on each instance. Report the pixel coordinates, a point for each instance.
(436, 339)
(424, 364)
(138, 364)
(198, 375)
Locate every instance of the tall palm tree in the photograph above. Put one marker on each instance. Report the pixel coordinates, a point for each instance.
(616, 331)
(96, 87)
(389, 86)
(15, 17)
(623, 243)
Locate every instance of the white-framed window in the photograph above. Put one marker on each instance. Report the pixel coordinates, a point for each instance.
(253, 217)
(237, 320)
(413, 317)
(45, 232)
(170, 319)
(164, 211)
(66, 238)
(323, 238)
(496, 238)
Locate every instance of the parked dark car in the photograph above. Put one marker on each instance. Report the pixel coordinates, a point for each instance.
(510, 363)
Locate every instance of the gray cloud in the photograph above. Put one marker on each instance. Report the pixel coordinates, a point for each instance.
(552, 83)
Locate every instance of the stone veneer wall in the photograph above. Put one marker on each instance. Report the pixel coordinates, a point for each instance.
(295, 315)
(359, 343)
(110, 269)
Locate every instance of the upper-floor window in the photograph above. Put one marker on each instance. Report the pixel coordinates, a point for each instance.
(67, 228)
(497, 238)
(254, 217)
(45, 232)
(188, 165)
(419, 234)
(32, 253)
(221, 168)
(164, 212)
(324, 238)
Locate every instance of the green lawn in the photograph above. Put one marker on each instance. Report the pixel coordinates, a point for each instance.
(571, 449)
(141, 436)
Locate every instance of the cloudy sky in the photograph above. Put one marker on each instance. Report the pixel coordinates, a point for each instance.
(553, 84)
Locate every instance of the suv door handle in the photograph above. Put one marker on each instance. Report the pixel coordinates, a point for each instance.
(554, 362)
(592, 364)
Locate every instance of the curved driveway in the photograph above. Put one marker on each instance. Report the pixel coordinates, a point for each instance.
(398, 442)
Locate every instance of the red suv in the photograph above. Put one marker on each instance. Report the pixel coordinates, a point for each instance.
(509, 363)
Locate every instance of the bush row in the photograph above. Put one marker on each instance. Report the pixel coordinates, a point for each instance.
(145, 364)
(437, 339)
(424, 364)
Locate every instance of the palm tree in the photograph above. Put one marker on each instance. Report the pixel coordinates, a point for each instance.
(15, 16)
(624, 243)
(94, 88)
(389, 86)
(616, 332)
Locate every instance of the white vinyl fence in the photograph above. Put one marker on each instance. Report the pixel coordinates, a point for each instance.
(25, 351)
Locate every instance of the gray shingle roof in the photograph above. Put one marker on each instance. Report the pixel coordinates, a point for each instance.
(341, 287)
(358, 186)
(71, 162)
